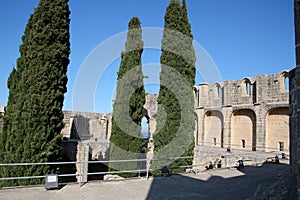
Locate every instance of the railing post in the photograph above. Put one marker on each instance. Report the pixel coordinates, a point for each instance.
(147, 168)
(80, 175)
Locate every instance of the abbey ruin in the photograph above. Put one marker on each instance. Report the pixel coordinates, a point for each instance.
(250, 114)
(253, 114)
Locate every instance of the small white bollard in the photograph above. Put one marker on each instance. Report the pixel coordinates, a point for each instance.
(51, 181)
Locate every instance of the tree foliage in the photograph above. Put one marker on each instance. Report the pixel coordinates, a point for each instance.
(126, 139)
(175, 118)
(34, 119)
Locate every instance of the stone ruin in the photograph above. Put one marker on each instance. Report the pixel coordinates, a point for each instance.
(248, 115)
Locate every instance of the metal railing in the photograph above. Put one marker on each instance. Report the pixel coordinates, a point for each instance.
(80, 174)
(230, 158)
(240, 146)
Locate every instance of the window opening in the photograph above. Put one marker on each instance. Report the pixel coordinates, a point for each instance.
(248, 88)
(243, 143)
(281, 146)
(145, 130)
(286, 83)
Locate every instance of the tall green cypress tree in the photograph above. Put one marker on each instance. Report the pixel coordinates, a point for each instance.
(176, 119)
(126, 139)
(34, 119)
(189, 52)
(189, 69)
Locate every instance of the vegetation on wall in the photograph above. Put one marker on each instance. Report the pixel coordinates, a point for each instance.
(34, 119)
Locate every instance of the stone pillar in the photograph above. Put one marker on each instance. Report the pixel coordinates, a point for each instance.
(295, 123)
(82, 158)
(200, 127)
(227, 112)
(294, 84)
(260, 111)
(150, 153)
(297, 30)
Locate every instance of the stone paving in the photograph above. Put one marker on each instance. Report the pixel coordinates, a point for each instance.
(211, 184)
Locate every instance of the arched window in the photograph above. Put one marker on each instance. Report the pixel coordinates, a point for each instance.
(196, 96)
(218, 90)
(145, 129)
(286, 83)
(246, 87)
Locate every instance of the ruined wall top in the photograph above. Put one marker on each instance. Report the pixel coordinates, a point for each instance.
(264, 88)
(86, 126)
(150, 107)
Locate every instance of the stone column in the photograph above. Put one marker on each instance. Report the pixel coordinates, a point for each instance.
(260, 111)
(295, 122)
(294, 84)
(82, 158)
(227, 112)
(200, 127)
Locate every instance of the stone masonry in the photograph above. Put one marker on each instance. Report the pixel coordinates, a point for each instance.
(85, 137)
(93, 128)
(247, 114)
(295, 102)
(251, 114)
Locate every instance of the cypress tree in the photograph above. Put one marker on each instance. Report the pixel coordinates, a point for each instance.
(34, 119)
(189, 69)
(176, 119)
(126, 139)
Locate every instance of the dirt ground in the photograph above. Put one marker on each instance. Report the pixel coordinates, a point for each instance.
(270, 181)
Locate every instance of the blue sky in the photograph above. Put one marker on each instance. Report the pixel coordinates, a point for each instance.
(243, 39)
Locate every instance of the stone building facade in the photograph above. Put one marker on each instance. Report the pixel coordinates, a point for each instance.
(85, 137)
(295, 102)
(93, 129)
(247, 114)
(295, 123)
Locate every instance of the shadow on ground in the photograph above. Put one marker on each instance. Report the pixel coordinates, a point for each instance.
(266, 182)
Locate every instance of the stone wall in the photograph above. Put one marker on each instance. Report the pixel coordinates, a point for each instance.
(247, 114)
(295, 123)
(294, 78)
(85, 129)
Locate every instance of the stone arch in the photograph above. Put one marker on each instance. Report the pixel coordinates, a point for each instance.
(246, 87)
(218, 90)
(277, 129)
(284, 80)
(213, 128)
(146, 115)
(243, 129)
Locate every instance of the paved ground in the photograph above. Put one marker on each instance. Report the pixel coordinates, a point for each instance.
(250, 183)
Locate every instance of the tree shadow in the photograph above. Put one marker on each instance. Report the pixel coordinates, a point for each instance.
(249, 183)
